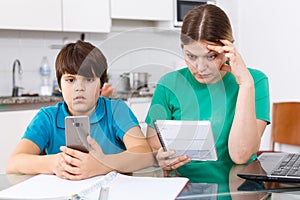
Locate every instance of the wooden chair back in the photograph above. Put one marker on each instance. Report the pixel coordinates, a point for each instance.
(285, 125)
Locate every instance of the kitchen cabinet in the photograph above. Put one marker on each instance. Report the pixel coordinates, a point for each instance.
(31, 15)
(13, 125)
(56, 15)
(86, 16)
(156, 10)
(140, 107)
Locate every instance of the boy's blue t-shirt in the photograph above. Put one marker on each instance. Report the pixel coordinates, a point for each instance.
(108, 123)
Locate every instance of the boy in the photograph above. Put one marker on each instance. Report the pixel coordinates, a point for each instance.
(116, 138)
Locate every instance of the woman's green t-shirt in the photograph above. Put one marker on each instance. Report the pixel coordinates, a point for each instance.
(179, 96)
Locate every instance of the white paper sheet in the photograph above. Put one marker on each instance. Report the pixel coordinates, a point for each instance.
(121, 187)
(193, 138)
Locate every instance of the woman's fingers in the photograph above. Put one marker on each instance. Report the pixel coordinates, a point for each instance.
(107, 89)
(165, 159)
(226, 67)
(163, 155)
(227, 48)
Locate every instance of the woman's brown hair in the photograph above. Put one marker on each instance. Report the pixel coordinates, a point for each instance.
(81, 58)
(206, 23)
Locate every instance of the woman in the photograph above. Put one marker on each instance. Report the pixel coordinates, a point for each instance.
(215, 86)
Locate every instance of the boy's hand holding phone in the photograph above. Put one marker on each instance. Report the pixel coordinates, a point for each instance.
(77, 165)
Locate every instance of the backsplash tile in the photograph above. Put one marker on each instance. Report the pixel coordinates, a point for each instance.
(154, 51)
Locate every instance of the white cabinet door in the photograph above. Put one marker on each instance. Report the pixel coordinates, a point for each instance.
(139, 106)
(13, 125)
(56, 15)
(86, 15)
(156, 10)
(42, 15)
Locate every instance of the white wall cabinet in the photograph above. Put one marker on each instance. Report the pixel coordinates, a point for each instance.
(156, 10)
(86, 15)
(140, 107)
(13, 125)
(79, 15)
(31, 15)
(56, 15)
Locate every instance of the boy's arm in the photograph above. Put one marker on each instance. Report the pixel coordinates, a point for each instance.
(138, 153)
(26, 159)
(152, 139)
(137, 156)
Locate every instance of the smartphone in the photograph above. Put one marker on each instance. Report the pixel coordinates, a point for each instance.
(77, 130)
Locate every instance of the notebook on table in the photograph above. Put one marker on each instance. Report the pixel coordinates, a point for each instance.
(273, 167)
(115, 185)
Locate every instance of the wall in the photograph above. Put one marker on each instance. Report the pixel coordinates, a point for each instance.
(154, 50)
(29, 47)
(269, 40)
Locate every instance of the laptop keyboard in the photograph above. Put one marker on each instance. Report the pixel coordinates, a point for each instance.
(289, 166)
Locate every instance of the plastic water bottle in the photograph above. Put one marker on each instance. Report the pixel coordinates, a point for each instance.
(55, 88)
(45, 72)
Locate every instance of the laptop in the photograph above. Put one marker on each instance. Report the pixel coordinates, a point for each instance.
(273, 167)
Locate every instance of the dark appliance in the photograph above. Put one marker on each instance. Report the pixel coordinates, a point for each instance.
(182, 7)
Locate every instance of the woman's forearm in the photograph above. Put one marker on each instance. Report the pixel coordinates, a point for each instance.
(244, 138)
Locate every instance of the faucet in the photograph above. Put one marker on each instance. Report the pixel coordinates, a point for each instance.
(15, 91)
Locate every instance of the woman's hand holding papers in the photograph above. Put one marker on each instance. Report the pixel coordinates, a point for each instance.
(167, 162)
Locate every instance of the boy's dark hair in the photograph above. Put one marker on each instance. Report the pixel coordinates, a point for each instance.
(81, 58)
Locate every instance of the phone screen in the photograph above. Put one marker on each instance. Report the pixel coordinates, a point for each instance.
(77, 130)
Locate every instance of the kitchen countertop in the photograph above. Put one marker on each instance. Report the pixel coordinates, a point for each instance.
(35, 99)
(27, 103)
(145, 92)
(8, 103)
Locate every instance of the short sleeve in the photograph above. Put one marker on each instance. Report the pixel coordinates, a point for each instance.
(39, 130)
(262, 96)
(123, 118)
(160, 107)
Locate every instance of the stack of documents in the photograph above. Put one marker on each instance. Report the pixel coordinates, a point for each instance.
(119, 186)
(192, 138)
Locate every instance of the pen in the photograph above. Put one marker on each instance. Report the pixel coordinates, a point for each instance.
(104, 192)
(159, 136)
(75, 197)
(100, 184)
